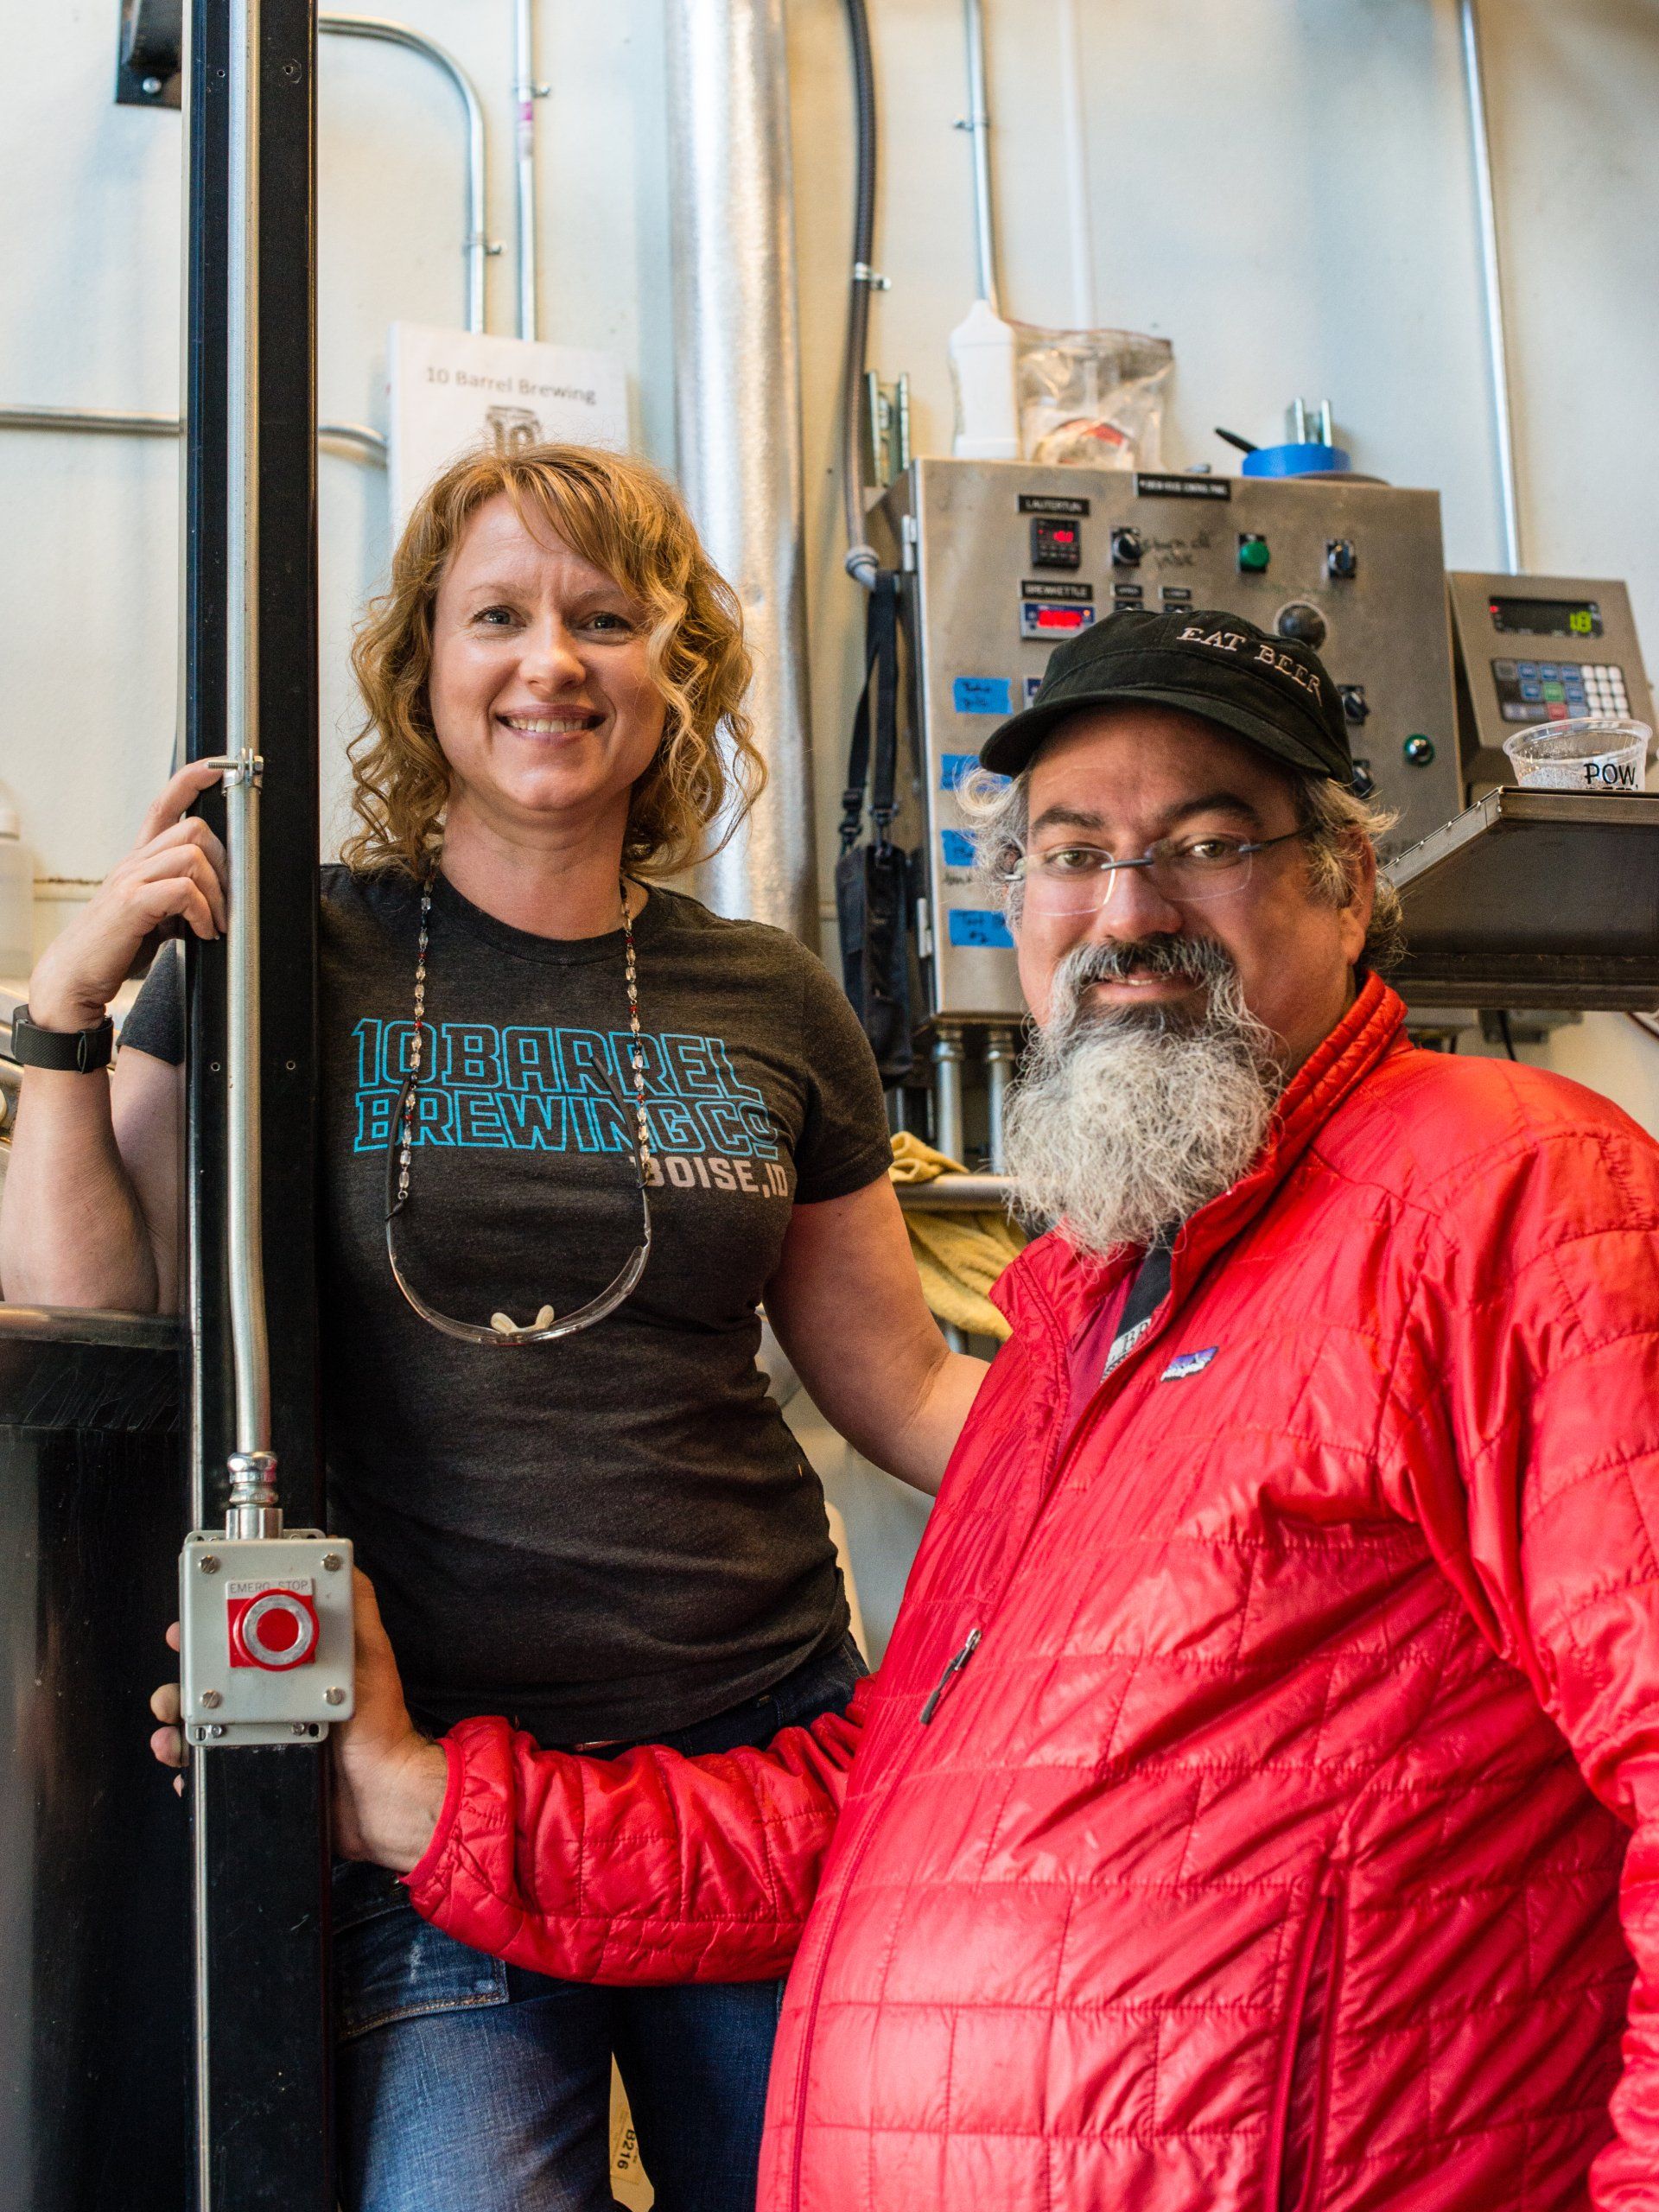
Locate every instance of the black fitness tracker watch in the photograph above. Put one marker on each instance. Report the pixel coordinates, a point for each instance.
(70, 1051)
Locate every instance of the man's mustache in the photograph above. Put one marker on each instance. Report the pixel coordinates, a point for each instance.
(1193, 959)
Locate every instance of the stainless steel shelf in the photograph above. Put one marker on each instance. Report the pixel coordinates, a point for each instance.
(1535, 898)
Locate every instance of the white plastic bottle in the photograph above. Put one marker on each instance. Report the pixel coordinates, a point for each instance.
(981, 362)
(16, 896)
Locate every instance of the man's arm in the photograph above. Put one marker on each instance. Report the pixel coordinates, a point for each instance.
(1547, 1291)
(646, 1868)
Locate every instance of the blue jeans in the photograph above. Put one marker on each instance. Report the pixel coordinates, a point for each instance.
(467, 2085)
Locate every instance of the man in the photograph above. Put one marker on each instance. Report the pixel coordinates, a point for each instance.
(1238, 1818)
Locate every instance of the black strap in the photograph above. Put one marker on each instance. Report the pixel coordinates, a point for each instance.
(1148, 1290)
(1146, 1293)
(68, 1052)
(876, 721)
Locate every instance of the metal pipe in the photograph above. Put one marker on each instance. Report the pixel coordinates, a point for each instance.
(956, 1194)
(88, 418)
(252, 1465)
(1002, 1051)
(1492, 279)
(861, 562)
(251, 1462)
(105, 422)
(477, 247)
(1084, 308)
(737, 362)
(242, 604)
(948, 1057)
(525, 93)
(356, 437)
(978, 124)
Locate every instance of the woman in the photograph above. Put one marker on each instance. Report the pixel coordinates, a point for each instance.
(609, 1535)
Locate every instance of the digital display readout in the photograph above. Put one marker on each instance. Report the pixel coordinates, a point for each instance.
(1547, 617)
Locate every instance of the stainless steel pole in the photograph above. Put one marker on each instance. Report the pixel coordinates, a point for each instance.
(1492, 276)
(737, 365)
(977, 124)
(1083, 306)
(948, 1057)
(252, 1465)
(525, 93)
(1002, 1051)
(478, 248)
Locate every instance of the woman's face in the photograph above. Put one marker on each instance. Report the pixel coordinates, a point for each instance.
(540, 695)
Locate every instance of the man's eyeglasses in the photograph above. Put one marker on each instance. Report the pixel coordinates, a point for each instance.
(545, 1328)
(1080, 879)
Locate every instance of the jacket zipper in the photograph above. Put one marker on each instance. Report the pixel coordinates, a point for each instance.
(1061, 1451)
(1322, 1937)
(952, 1669)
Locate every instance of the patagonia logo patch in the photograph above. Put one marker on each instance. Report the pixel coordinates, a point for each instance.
(1188, 1362)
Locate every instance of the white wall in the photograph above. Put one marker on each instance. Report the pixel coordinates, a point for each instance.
(1281, 185)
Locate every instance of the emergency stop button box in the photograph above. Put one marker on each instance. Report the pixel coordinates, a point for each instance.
(266, 1636)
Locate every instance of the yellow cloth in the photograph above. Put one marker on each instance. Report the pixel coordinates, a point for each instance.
(958, 1255)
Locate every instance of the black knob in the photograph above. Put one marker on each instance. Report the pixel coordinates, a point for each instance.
(1303, 622)
(1341, 558)
(1364, 781)
(1354, 706)
(1418, 750)
(1126, 548)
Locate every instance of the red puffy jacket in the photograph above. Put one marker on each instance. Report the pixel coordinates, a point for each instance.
(1263, 1847)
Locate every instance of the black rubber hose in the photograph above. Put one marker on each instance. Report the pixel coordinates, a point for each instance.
(861, 562)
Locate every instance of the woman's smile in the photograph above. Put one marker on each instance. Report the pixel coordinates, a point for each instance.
(570, 721)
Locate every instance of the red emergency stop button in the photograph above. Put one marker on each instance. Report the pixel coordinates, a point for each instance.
(272, 1625)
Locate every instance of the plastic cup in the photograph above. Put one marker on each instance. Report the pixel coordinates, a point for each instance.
(1598, 753)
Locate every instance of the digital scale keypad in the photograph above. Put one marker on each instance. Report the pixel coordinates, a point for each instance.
(1531, 691)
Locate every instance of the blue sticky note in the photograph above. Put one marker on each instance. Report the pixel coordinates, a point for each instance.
(1033, 685)
(980, 926)
(954, 767)
(958, 847)
(982, 694)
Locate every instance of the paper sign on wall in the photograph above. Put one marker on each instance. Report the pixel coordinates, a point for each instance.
(453, 390)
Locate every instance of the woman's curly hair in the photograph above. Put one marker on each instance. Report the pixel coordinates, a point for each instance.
(628, 520)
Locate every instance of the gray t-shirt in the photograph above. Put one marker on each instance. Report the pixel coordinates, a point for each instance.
(614, 1535)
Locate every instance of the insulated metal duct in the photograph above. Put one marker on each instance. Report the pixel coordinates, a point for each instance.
(737, 369)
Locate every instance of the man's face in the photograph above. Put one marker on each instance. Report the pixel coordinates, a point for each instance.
(1122, 779)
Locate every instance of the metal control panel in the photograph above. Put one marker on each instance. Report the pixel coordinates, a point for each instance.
(1005, 561)
(1539, 649)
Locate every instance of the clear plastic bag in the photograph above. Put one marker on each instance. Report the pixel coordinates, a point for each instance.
(1092, 397)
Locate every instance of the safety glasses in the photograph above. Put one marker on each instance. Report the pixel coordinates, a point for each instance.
(546, 1328)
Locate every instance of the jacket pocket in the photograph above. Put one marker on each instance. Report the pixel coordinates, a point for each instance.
(1302, 2086)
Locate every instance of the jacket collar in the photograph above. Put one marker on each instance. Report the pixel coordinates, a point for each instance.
(1051, 1285)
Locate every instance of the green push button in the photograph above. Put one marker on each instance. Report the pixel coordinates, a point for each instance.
(1418, 750)
(1253, 553)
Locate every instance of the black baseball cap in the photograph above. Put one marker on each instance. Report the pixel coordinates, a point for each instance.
(1274, 692)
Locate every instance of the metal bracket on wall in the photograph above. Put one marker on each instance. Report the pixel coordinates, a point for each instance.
(149, 57)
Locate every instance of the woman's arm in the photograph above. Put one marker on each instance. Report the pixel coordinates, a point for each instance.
(91, 1214)
(91, 1208)
(847, 1308)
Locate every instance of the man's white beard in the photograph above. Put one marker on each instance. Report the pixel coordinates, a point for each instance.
(1126, 1120)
